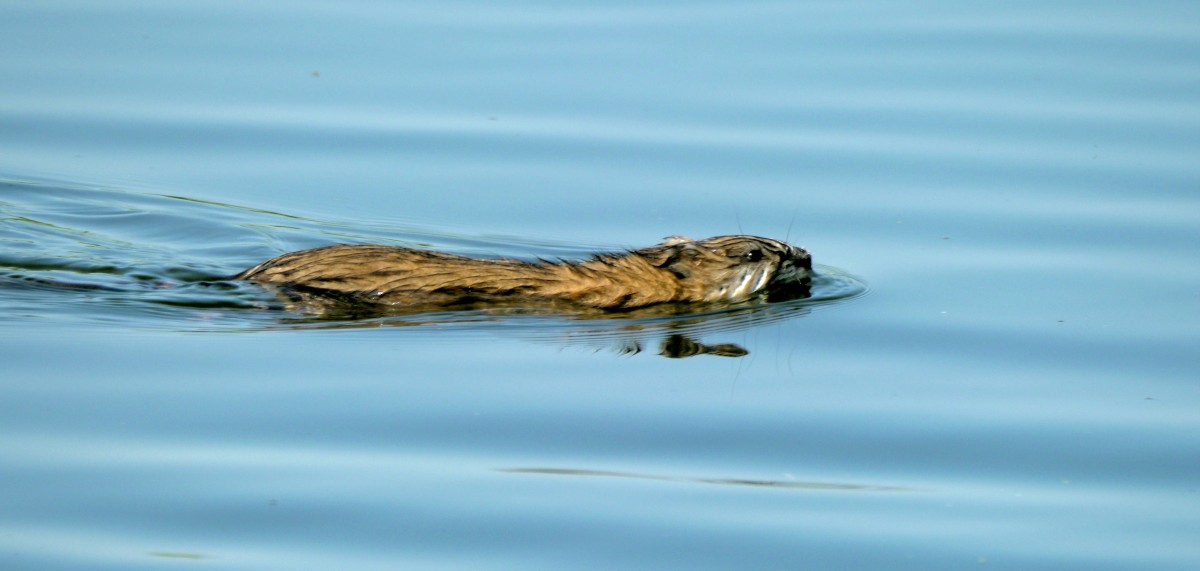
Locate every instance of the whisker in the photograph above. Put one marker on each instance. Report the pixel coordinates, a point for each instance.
(787, 236)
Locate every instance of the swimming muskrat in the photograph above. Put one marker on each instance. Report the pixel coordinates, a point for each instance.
(680, 270)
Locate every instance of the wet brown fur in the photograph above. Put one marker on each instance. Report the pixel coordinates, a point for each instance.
(725, 268)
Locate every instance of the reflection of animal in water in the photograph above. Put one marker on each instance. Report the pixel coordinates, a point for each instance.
(680, 345)
(680, 270)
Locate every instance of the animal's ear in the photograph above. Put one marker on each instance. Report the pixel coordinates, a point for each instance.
(676, 258)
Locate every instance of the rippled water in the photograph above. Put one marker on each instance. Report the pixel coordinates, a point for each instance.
(998, 366)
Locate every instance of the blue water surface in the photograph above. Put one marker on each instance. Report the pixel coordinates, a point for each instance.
(999, 366)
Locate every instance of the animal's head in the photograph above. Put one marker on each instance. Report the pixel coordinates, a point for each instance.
(734, 268)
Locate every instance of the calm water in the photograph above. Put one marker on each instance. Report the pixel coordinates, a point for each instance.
(1000, 365)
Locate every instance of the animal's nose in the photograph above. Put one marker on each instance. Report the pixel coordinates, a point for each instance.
(802, 258)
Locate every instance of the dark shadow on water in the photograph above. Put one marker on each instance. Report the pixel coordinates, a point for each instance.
(754, 483)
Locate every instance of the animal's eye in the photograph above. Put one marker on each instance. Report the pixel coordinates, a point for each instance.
(753, 255)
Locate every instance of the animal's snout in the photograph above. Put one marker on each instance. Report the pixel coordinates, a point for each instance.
(801, 258)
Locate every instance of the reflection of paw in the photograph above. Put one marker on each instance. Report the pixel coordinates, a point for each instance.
(629, 347)
(727, 350)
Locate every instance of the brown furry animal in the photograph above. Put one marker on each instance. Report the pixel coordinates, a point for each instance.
(721, 269)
